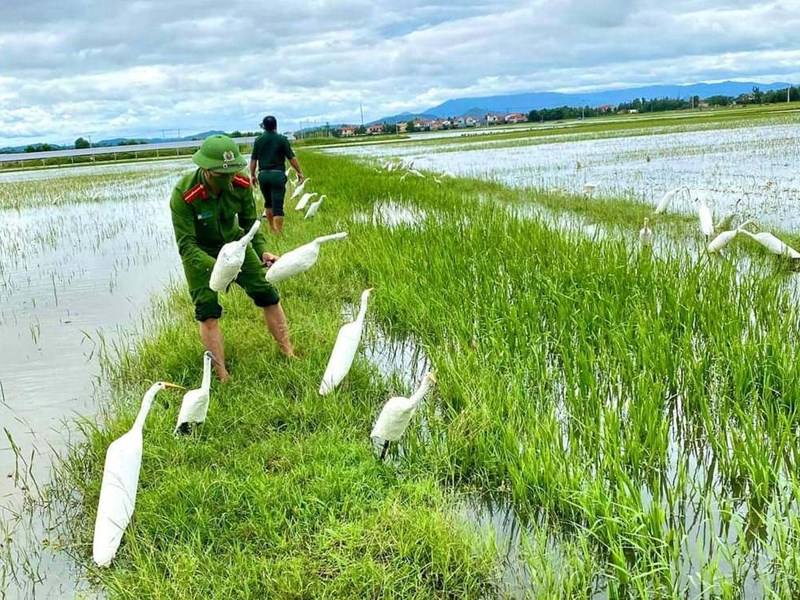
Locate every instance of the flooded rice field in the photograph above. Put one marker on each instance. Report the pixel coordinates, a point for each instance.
(756, 164)
(82, 252)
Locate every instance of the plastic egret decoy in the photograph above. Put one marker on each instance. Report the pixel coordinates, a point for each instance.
(344, 350)
(120, 483)
(304, 200)
(194, 407)
(645, 235)
(772, 243)
(312, 210)
(230, 259)
(300, 259)
(667, 198)
(706, 221)
(725, 238)
(299, 189)
(397, 412)
(726, 221)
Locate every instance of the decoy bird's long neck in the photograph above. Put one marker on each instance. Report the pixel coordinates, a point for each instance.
(147, 402)
(333, 236)
(206, 385)
(423, 388)
(250, 234)
(362, 311)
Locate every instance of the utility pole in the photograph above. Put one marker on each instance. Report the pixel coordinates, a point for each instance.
(788, 89)
(361, 106)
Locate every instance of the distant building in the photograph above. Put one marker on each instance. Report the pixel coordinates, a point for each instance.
(348, 130)
(422, 125)
(494, 119)
(470, 121)
(633, 111)
(402, 127)
(605, 108)
(516, 118)
(375, 129)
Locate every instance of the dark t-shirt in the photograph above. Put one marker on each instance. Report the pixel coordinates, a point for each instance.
(271, 149)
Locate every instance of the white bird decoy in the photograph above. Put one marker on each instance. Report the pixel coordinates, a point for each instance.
(344, 350)
(299, 189)
(725, 238)
(588, 188)
(397, 412)
(300, 259)
(726, 221)
(312, 210)
(722, 240)
(194, 406)
(706, 220)
(645, 235)
(417, 173)
(667, 198)
(229, 260)
(304, 200)
(772, 243)
(120, 483)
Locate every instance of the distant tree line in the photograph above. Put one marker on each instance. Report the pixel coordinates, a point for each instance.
(755, 96)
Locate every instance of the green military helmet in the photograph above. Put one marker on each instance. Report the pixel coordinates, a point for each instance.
(219, 153)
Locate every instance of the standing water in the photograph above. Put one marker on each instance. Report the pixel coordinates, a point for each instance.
(81, 253)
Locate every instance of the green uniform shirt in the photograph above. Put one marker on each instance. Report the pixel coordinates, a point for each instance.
(271, 149)
(203, 223)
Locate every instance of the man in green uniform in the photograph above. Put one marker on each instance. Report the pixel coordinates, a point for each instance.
(271, 150)
(211, 206)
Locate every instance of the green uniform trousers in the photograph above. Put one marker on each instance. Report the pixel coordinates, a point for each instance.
(250, 279)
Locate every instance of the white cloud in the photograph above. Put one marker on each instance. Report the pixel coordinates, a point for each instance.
(107, 69)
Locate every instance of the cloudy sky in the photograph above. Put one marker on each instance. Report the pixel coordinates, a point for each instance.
(106, 68)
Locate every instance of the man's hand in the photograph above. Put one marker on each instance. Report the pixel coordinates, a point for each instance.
(268, 259)
(300, 177)
(253, 180)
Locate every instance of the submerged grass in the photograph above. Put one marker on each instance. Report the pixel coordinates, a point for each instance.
(638, 412)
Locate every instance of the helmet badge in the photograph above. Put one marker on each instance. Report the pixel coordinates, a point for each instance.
(227, 155)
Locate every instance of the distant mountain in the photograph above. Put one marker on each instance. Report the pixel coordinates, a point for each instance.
(120, 141)
(479, 106)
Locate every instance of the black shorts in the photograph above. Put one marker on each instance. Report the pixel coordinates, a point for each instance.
(273, 188)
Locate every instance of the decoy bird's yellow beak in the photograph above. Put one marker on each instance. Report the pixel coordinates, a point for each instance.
(172, 386)
(432, 377)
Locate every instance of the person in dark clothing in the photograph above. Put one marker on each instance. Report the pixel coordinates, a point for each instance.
(271, 150)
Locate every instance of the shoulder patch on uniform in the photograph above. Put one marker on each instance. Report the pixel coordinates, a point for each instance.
(241, 181)
(197, 192)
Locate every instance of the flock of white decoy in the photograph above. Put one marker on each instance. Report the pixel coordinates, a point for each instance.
(407, 168)
(722, 232)
(124, 456)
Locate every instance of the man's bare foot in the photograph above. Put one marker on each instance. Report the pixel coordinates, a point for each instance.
(222, 373)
